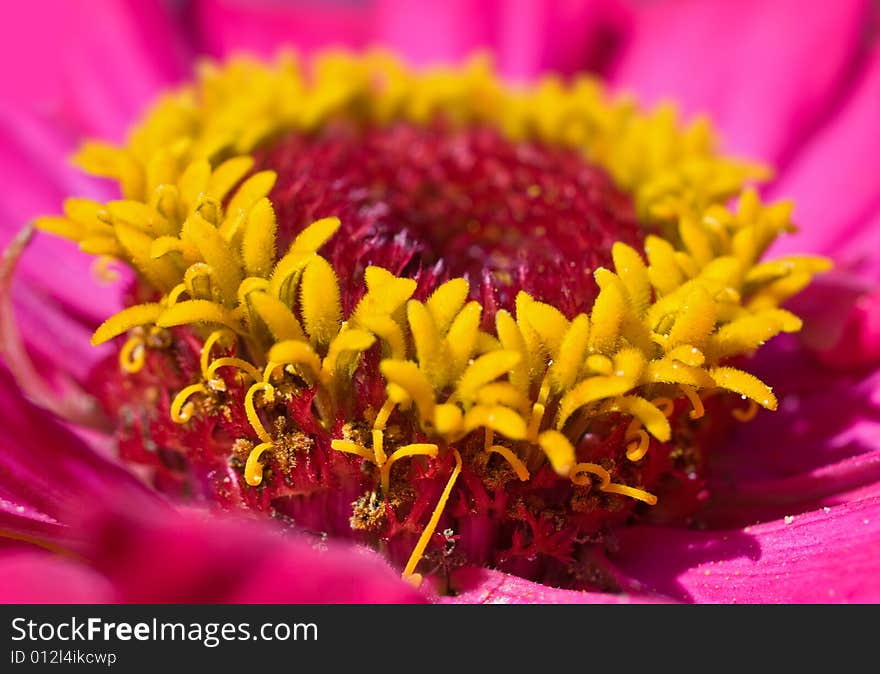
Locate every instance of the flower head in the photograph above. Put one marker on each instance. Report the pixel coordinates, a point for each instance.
(462, 322)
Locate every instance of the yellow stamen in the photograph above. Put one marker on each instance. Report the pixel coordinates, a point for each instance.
(419, 550)
(697, 402)
(748, 413)
(181, 410)
(251, 412)
(253, 469)
(133, 354)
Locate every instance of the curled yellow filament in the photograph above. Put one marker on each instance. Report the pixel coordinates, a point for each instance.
(205, 356)
(253, 469)
(175, 294)
(242, 365)
(416, 449)
(254, 419)
(515, 462)
(181, 410)
(639, 442)
(419, 550)
(133, 354)
(665, 405)
(695, 400)
(748, 413)
(580, 473)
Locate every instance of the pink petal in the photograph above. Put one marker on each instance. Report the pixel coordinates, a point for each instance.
(227, 26)
(824, 417)
(48, 476)
(827, 556)
(40, 578)
(93, 68)
(527, 37)
(764, 83)
(34, 168)
(474, 585)
(834, 180)
(174, 556)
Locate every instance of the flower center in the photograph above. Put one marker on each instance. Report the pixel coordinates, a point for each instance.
(461, 323)
(435, 203)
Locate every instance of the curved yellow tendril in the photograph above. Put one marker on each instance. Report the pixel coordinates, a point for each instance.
(253, 469)
(212, 339)
(749, 413)
(415, 449)
(242, 365)
(181, 410)
(133, 354)
(697, 402)
(428, 531)
(102, 270)
(251, 412)
(175, 294)
(515, 462)
(579, 475)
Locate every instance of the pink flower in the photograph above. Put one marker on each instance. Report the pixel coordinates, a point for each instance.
(794, 507)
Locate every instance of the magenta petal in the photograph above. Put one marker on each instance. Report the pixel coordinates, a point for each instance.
(527, 38)
(227, 26)
(41, 578)
(829, 555)
(834, 180)
(475, 585)
(93, 68)
(764, 83)
(194, 557)
(48, 476)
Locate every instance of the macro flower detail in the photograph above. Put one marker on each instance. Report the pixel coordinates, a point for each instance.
(465, 323)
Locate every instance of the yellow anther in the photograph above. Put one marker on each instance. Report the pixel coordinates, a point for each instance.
(416, 449)
(251, 412)
(747, 414)
(133, 354)
(253, 469)
(419, 550)
(515, 462)
(697, 402)
(242, 365)
(181, 409)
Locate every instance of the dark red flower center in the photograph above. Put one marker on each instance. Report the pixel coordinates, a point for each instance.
(429, 203)
(433, 203)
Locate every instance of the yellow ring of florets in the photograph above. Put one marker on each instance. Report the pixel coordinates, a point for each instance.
(702, 298)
